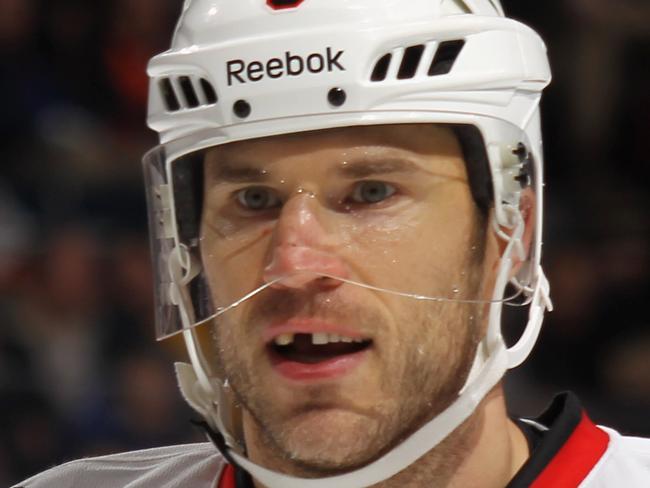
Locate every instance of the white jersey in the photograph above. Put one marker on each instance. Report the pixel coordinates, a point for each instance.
(186, 466)
(570, 452)
(625, 463)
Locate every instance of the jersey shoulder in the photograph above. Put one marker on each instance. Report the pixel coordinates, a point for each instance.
(196, 465)
(626, 462)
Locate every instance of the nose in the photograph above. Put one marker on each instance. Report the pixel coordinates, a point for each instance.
(302, 251)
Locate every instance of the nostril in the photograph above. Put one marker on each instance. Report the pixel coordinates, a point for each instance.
(328, 282)
(295, 280)
(303, 279)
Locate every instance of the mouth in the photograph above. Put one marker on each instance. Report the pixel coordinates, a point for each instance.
(317, 355)
(316, 347)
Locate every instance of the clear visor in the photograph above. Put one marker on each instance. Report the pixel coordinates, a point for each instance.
(380, 211)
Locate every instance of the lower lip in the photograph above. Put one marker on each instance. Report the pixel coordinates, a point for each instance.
(325, 370)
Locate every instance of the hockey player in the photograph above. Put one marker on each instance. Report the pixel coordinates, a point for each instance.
(346, 194)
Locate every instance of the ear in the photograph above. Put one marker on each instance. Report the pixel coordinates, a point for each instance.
(527, 209)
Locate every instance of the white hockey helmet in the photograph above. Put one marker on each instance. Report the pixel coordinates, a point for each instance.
(255, 68)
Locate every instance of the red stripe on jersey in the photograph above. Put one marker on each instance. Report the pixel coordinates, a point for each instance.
(227, 477)
(576, 457)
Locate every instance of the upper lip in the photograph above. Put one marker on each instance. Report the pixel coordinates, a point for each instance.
(309, 326)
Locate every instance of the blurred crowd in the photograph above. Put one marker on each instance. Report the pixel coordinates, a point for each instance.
(80, 373)
(597, 211)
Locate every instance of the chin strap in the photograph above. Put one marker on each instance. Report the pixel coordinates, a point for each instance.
(540, 302)
(214, 405)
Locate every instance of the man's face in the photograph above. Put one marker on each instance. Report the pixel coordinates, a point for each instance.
(386, 206)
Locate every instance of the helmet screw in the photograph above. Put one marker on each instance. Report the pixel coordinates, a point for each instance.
(242, 109)
(337, 96)
(521, 151)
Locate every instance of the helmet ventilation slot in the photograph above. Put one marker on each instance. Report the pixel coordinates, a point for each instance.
(412, 57)
(445, 57)
(410, 62)
(196, 92)
(188, 91)
(381, 68)
(168, 95)
(208, 91)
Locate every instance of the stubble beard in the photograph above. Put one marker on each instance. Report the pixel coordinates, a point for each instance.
(421, 380)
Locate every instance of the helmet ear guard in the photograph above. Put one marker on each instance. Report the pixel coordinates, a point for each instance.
(521, 172)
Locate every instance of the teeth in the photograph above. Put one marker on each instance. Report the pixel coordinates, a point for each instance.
(284, 339)
(319, 338)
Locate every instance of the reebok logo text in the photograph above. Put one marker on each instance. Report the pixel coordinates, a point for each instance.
(288, 65)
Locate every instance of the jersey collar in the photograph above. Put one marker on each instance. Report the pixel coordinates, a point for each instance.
(568, 450)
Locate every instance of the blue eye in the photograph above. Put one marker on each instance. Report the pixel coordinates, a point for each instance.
(372, 192)
(257, 198)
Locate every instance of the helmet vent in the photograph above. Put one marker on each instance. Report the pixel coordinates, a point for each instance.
(410, 62)
(413, 59)
(188, 91)
(169, 96)
(445, 57)
(196, 92)
(381, 68)
(208, 91)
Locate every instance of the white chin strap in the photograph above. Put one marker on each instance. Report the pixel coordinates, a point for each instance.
(207, 395)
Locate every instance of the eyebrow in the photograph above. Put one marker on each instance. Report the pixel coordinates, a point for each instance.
(227, 172)
(364, 168)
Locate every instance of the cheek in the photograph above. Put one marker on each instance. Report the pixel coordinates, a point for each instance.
(234, 264)
(231, 350)
(419, 247)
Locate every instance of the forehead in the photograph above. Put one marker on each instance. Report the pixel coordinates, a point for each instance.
(418, 140)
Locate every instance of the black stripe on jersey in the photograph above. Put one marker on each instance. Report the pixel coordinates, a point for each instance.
(242, 478)
(561, 417)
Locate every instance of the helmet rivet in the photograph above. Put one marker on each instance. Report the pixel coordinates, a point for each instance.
(242, 109)
(521, 151)
(337, 96)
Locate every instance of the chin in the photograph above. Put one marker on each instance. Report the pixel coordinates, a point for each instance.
(329, 441)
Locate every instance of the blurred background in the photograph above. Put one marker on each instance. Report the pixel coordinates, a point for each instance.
(80, 373)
